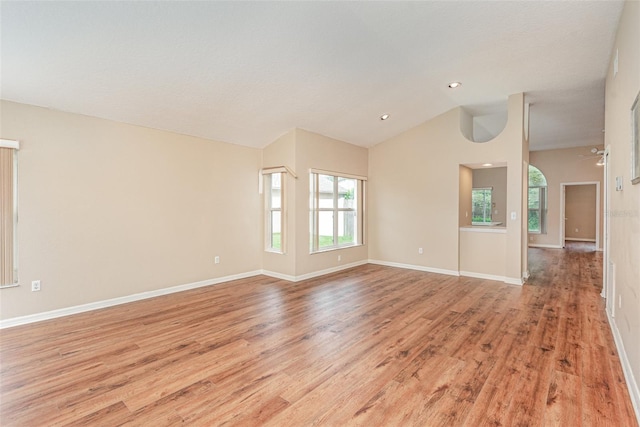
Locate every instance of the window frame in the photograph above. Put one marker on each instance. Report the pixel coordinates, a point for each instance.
(14, 146)
(541, 210)
(315, 210)
(490, 206)
(269, 210)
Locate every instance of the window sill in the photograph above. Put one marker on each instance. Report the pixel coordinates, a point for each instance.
(336, 248)
(275, 251)
(484, 229)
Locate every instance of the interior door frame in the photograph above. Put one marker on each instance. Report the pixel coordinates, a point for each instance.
(563, 187)
(608, 279)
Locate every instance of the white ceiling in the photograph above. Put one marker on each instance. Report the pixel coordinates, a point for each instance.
(247, 72)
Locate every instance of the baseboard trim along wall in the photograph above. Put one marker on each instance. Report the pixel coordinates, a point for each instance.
(313, 274)
(415, 267)
(536, 245)
(280, 276)
(53, 314)
(507, 280)
(576, 239)
(632, 385)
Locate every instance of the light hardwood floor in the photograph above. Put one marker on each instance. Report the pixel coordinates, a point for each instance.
(369, 346)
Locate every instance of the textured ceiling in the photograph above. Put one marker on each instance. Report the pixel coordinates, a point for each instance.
(246, 72)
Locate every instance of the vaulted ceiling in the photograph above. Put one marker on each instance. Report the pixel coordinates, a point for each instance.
(246, 72)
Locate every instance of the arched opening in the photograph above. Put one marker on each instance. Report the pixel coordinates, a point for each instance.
(483, 123)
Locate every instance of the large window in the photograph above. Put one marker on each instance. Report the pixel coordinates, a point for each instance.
(537, 201)
(481, 205)
(275, 215)
(336, 211)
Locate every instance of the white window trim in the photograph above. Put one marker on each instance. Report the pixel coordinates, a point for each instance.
(9, 143)
(338, 174)
(542, 207)
(490, 205)
(270, 170)
(315, 210)
(283, 214)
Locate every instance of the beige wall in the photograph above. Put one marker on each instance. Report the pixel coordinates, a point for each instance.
(302, 150)
(282, 152)
(321, 152)
(624, 210)
(496, 178)
(110, 210)
(565, 166)
(483, 253)
(414, 199)
(580, 211)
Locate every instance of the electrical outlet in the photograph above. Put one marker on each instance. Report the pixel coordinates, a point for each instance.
(216, 260)
(576, 230)
(420, 251)
(339, 257)
(35, 286)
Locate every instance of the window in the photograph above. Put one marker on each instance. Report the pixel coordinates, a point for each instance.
(274, 203)
(336, 211)
(537, 201)
(8, 213)
(481, 205)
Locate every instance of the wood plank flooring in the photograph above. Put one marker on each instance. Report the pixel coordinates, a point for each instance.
(369, 346)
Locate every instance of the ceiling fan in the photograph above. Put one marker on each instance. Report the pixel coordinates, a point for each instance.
(595, 153)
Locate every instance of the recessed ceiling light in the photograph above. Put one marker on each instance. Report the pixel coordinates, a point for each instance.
(454, 85)
(384, 117)
(487, 164)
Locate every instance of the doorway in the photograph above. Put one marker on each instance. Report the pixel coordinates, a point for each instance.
(580, 212)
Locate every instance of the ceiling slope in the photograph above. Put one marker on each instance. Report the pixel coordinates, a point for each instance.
(246, 72)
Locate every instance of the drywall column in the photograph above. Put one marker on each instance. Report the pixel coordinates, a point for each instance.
(515, 196)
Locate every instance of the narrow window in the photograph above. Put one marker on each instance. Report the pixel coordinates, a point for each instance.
(336, 207)
(274, 203)
(537, 201)
(481, 205)
(8, 213)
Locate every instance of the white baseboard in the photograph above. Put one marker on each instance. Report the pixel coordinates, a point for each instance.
(536, 245)
(314, 273)
(330, 270)
(53, 314)
(415, 267)
(632, 385)
(280, 276)
(577, 239)
(505, 279)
